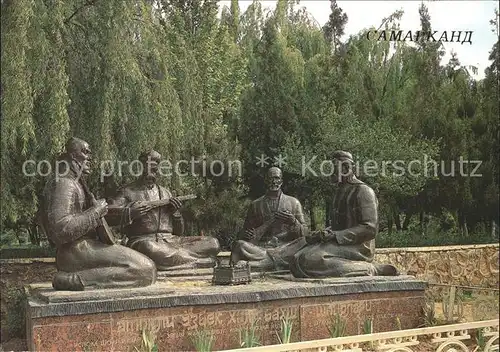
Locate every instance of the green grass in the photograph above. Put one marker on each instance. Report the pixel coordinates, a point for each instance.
(203, 340)
(147, 342)
(337, 326)
(286, 331)
(249, 336)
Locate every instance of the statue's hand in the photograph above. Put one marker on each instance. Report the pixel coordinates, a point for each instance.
(249, 234)
(313, 238)
(101, 207)
(285, 217)
(175, 204)
(328, 235)
(273, 242)
(139, 209)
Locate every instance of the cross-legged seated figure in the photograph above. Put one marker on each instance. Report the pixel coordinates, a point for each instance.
(274, 228)
(347, 247)
(156, 228)
(71, 221)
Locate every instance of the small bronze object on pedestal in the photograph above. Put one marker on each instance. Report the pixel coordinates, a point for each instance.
(231, 274)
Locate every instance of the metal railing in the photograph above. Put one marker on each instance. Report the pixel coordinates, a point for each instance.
(455, 337)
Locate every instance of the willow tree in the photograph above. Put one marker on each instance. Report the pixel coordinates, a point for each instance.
(122, 96)
(171, 75)
(35, 121)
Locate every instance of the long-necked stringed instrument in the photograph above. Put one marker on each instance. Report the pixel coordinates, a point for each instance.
(262, 230)
(104, 232)
(161, 202)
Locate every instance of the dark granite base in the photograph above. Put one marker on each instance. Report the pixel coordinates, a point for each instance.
(192, 273)
(174, 311)
(206, 274)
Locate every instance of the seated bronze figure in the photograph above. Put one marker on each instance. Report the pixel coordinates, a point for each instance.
(346, 248)
(149, 216)
(73, 221)
(274, 228)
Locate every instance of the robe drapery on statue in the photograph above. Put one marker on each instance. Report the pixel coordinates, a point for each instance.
(350, 249)
(158, 233)
(280, 242)
(82, 260)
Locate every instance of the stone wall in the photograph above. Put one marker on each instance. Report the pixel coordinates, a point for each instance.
(472, 265)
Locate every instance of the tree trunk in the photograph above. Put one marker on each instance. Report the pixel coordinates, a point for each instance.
(312, 216)
(390, 222)
(422, 224)
(462, 223)
(406, 223)
(328, 218)
(34, 234)
(397, 220)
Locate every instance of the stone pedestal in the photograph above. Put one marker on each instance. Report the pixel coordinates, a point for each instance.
(175, 309)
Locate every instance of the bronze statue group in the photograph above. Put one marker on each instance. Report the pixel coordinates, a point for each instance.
(275, 235)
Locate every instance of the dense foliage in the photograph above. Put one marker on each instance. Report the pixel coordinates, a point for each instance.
(175, 76)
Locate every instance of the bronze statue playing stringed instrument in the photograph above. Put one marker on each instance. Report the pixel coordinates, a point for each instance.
(103, 230)
(149, 216)
(73, 220)
(274, 228)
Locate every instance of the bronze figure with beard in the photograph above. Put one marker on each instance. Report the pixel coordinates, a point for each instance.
(70, 220)
(274, 228)
(158, 231)
(347, 247)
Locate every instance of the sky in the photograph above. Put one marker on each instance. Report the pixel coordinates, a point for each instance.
(447, 16)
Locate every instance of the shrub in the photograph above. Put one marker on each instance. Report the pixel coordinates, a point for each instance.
(16, 312)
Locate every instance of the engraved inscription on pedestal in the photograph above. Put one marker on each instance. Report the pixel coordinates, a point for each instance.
(316, 319)
(177, 325)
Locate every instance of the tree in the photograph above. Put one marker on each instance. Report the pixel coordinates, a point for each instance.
(170, 75)
(334, 28)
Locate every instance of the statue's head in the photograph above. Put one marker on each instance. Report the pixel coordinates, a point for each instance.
(150, 160)
(78, 151)
(343, 165)
(274, 179)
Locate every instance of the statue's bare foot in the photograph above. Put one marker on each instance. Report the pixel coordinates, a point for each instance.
(386, 270)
